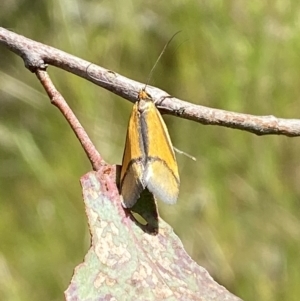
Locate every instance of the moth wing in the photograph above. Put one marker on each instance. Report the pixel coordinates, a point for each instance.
(161, 175)
(131, 182)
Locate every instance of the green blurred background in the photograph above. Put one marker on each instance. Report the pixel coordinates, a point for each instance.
(238, 210)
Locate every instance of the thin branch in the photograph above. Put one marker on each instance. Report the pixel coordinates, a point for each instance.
(58, 100)
(36, 55)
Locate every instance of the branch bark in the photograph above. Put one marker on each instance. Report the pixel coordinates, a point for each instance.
(37, 56)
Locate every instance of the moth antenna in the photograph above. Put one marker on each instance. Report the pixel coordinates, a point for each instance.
(161, 53)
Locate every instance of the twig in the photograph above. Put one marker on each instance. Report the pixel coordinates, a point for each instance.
(58, 100)
(36, 55)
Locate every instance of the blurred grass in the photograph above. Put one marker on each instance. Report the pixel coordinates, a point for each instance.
(238, 211)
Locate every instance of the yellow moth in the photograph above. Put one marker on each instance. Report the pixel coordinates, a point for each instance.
(149, 160)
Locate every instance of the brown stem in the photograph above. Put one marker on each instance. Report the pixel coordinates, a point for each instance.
(58, 100)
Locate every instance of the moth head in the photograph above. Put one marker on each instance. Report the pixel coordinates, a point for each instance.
(143, 95)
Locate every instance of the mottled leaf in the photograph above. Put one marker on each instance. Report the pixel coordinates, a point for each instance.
(126, 262)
